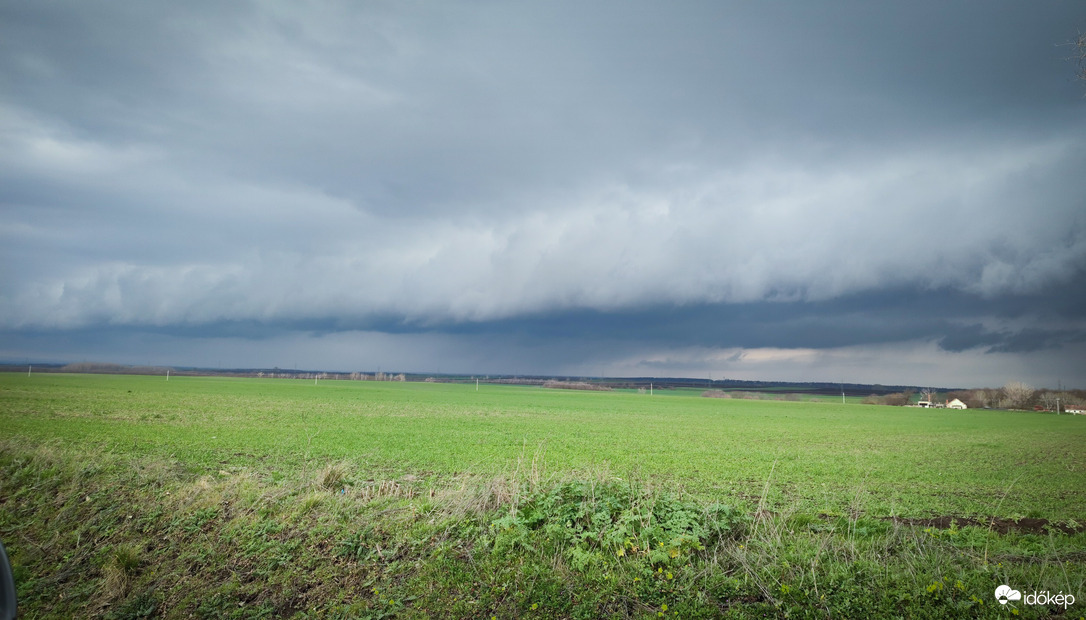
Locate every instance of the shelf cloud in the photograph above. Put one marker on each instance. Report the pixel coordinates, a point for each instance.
(560, 188)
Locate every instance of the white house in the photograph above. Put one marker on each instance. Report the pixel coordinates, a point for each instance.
(956, 404)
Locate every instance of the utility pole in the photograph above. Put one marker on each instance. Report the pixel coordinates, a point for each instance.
(167, 374)
(28, 369)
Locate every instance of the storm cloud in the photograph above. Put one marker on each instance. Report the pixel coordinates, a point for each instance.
(556, 187)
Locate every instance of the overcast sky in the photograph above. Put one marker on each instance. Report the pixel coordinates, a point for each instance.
(834, 191)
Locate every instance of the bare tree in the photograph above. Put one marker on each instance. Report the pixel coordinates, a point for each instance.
(985, 398)
(899, 399)
(1049, 400)
(1016, 395)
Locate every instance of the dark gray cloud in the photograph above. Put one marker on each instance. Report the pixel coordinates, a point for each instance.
(546, 184)
(1003, 341)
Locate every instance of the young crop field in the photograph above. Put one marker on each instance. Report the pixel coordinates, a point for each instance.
(134, 496)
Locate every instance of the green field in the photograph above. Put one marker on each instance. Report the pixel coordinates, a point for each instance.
(822, 456)
(819, 468)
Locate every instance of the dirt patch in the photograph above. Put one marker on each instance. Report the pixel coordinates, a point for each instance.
(1001, 526)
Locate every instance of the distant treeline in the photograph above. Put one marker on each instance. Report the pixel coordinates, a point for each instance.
(575, 385)
(1013, 395)
(789, 396)
(106, 368)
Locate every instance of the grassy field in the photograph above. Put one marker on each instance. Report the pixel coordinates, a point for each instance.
(332, 499)
(822, 456)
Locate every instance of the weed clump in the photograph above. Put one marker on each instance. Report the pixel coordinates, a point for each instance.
(332, 477)
(118, 570)
(142, 605)
(592, 520)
